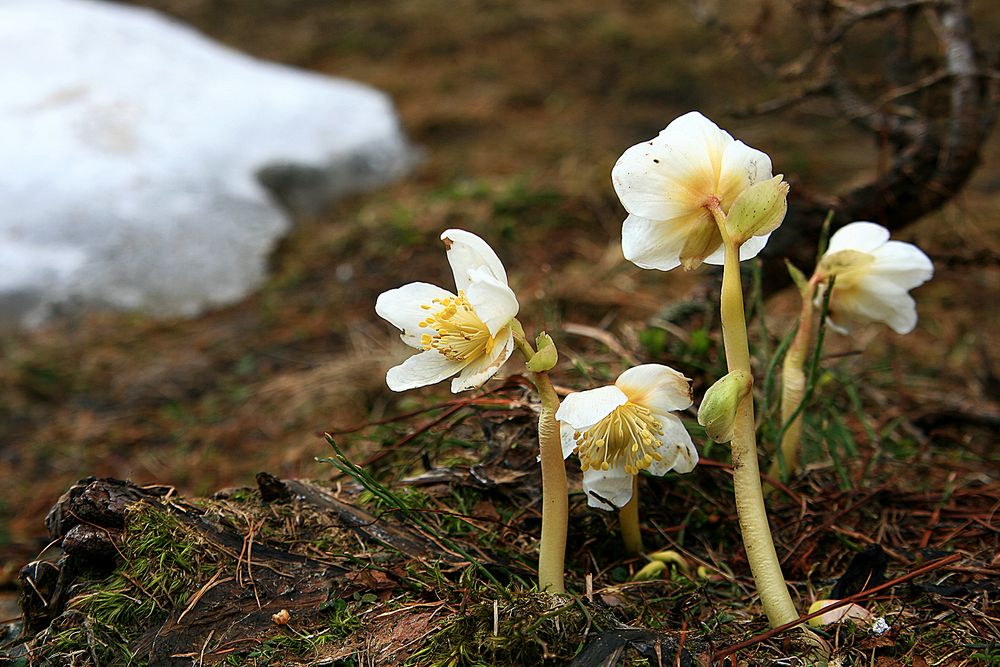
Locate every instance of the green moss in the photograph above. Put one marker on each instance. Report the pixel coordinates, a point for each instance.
(160, 565)
(529, 629)
(340, 621)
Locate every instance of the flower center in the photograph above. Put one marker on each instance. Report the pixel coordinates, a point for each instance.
(627, 437)
(459, 334)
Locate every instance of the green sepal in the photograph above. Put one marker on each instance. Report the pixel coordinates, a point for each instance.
(546, 356)
(758, 210)
(718, 409)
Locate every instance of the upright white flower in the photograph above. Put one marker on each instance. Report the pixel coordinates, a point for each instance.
(666, 183)
(873, 277)
(621, 429)
(468, 333)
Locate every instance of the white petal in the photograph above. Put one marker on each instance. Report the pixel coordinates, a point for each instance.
(903, 318)
(695, 138)
(903, 263)
(876, 300)
(678, 450)
(748, 250)
(493, 301)
(467, 252)
(420, 370)
(482, 369)
(583, 409)
(860, 236)
(607, 486)
(567, 435)
(402, 308)
(657, 387)
(742, 166)
(882, 300)
(657, 244)
(671, 175)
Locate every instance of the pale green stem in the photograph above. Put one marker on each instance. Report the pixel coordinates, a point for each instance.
(750, 508)
(555, 491)
(793, 387)
(628, 519)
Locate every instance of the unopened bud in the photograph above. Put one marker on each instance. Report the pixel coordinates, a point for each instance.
(718, 409)
(759, 209)
(545, 357)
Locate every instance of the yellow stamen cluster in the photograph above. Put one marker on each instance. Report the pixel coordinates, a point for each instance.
(628, 437)
(459, 333)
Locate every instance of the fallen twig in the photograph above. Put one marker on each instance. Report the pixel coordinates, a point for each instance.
(764, 636)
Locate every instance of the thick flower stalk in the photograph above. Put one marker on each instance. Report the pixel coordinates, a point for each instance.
(750, 506)
(873, 276)
(694, 194)
(619, 430)
(555, 490)
(471, 334)
(468, 334)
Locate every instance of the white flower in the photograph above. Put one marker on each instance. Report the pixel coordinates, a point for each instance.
(468, 333)
(626, 427)
(665, 184)
(873, 276)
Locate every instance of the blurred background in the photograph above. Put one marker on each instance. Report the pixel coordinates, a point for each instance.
(513, 114)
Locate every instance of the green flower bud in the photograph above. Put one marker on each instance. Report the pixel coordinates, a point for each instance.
(546, 356)
(758, 210)
(718, 409)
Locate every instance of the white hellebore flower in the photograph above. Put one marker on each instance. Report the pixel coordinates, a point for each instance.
(626, 427)
(468, 333)
(665, 184)
(873, 277)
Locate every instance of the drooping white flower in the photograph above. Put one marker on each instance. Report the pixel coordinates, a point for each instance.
(873, 277)
(620, 429)
(468, 333)
(665, 184)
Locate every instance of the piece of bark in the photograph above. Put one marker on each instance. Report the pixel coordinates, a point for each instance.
(254, 579)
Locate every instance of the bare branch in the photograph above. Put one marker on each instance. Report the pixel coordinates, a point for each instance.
(932, 141)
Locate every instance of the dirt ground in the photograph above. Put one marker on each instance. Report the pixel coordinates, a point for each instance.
(522, 108)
